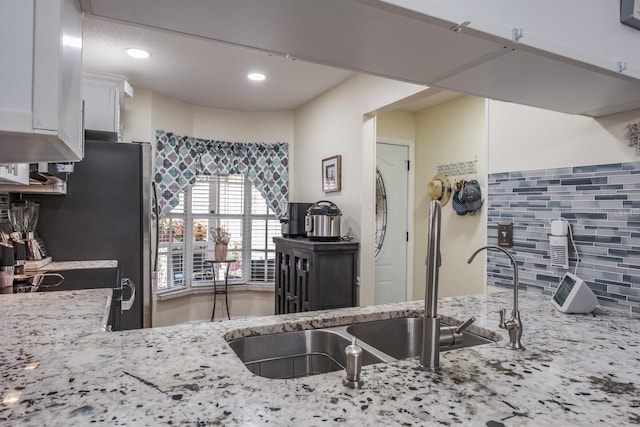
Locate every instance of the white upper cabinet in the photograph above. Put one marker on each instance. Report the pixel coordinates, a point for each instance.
(14, 173)
(103, 96)
(40, 106)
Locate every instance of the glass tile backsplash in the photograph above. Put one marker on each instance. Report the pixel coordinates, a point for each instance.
(602, 204)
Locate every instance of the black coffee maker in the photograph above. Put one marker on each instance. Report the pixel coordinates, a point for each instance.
(293, 221)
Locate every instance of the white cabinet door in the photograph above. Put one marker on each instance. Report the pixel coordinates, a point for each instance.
(41, 114)
(16, 48)
(103, 96)
(14, 173)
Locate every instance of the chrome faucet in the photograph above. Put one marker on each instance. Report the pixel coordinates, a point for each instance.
(434, 335)
(514, 325)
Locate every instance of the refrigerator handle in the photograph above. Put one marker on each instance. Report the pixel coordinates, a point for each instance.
(157, 222)
(126, 305)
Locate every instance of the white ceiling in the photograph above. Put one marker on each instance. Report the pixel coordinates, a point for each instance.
(203, 72)
(202, 50)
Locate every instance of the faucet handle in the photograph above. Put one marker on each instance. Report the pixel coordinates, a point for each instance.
(503, 314)
(464, 325)
(452, 335)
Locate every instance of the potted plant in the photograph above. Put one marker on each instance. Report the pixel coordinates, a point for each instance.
(220, 238)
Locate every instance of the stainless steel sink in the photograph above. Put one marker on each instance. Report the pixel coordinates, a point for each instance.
(317, 351)
(401, 338)
(296, 354)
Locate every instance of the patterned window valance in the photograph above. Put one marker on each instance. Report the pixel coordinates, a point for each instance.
(180, 158)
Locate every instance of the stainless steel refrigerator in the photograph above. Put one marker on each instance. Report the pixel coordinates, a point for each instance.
(106, 214)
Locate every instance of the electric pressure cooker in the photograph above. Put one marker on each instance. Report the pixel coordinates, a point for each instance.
(322, 222)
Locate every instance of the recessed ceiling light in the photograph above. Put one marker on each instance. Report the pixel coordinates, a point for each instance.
(258, 77)
(138, 53)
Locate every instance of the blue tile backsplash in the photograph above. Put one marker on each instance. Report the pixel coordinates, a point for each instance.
(602, 204)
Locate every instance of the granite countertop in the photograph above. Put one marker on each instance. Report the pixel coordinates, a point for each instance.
(576, 370)
(75, 265)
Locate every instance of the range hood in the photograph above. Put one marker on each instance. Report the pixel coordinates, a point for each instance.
(43, 179)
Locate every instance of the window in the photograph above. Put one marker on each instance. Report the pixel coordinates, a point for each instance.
(230, 202)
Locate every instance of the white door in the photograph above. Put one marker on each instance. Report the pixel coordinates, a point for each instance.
(391, 223)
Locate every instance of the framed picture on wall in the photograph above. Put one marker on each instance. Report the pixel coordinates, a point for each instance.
(332, 174)
(630, 13)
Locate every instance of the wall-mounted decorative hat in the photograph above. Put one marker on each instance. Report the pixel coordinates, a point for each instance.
(472, 196)
(439, 188)
(458, 203)
(467, 197)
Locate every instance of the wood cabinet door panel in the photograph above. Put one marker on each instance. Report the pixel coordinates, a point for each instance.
(315, 276)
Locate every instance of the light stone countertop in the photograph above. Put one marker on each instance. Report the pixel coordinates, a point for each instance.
(75, 265)
(576, 370)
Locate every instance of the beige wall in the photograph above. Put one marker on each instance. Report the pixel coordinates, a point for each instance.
(243, 127)
(450, 132)
(149, 111)
(198, 307)
(228, 125)
(396, 125)
(332, 124)
(171, 115)
(136, 118)
(524, 138)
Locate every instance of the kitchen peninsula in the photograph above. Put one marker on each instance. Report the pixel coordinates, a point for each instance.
(59, 367)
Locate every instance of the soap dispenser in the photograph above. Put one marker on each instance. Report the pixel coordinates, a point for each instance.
(354, 364)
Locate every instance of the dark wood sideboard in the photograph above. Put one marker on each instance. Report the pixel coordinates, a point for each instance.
(313, 275)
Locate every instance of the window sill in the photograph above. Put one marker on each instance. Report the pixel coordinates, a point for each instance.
(244, 287)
